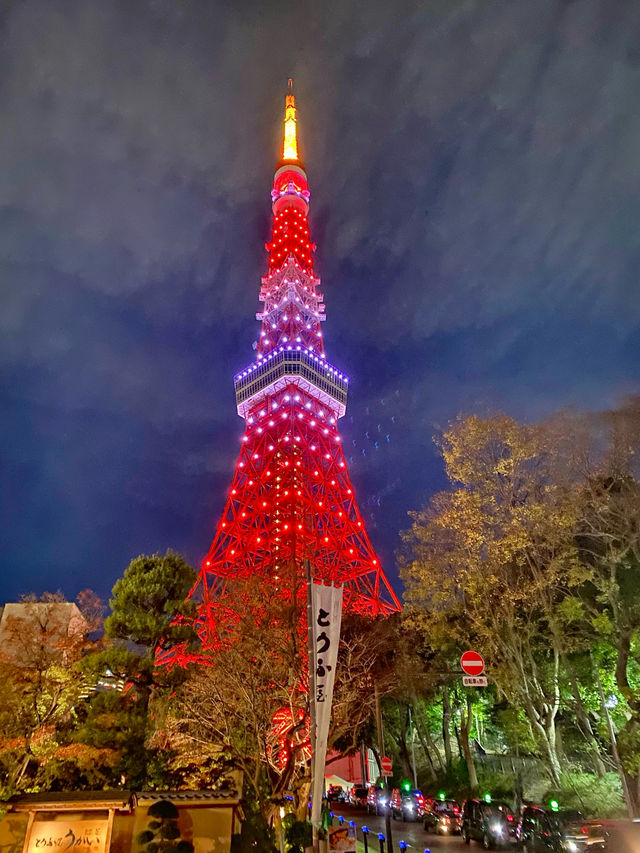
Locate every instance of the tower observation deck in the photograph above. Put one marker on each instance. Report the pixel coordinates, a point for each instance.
(291, 497)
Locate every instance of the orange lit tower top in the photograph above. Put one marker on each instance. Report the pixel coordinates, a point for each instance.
(291, 497)
(290, 142)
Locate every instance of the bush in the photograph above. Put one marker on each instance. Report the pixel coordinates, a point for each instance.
(255, 836)
(593, 796)
(297, 833)
(162, 833)
(455, 783)
(500, 785)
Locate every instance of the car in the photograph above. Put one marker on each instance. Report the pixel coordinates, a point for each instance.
(443, 817)
(569, 816)
(335, 794)
(377, 800)
(409, 805)
(358, 796)
(580, 835)
(491, 823)
(622, 836)
(542, 831)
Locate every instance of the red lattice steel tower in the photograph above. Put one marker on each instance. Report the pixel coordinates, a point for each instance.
(291, 497)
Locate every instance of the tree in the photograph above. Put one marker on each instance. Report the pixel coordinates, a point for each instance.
(163, 833)
(251, 703)
(607, 605)
(149, 612)
(430, 664)
(43, 640)
(489, 562)
(532, 556)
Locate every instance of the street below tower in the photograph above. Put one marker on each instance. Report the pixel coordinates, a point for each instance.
(412, 833)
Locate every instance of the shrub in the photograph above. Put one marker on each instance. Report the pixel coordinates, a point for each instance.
(297, 833)
(163, 834)
(592, 795)
(255, 836)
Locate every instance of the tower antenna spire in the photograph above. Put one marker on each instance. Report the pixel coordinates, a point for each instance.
(290, 144)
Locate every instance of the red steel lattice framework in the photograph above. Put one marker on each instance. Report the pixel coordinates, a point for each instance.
(291, 497)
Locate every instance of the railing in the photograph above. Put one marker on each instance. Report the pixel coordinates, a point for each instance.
(383, 844)
(315, 370)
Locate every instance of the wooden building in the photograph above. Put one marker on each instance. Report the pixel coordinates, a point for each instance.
(111, 821)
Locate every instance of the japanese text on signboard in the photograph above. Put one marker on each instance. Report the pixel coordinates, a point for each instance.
(80, 836)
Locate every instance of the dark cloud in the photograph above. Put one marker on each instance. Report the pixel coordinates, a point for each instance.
(475, 199)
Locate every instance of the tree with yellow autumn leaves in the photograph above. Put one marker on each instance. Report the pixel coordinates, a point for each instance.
(532, 557)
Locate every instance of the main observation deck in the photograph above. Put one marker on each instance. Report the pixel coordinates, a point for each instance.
(291, 366)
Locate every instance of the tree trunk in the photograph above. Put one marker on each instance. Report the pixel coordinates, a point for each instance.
(541, 711)
(624, 780)
(143, 702)
(544, 730)
(428, 746)
(301, 801)
(623, 648)
(21, 770)
(551, 747)
(446, 727)
(401, 741)
(584, 723)
(466, 720)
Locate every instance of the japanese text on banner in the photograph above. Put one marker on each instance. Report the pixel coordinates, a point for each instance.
(326, 614)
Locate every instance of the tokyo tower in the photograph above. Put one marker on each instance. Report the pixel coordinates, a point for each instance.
(291, 498)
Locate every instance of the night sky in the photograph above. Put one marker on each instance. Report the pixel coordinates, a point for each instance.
(474, 170)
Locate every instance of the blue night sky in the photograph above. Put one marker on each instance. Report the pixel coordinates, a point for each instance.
(475, 177)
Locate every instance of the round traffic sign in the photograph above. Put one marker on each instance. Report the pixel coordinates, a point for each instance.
(386, 765)
(472, 663)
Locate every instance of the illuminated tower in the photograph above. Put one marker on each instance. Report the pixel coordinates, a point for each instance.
(291, 497)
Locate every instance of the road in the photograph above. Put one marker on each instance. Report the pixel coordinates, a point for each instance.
(413, 834)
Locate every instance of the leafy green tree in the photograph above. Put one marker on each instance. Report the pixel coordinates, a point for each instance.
(113, 725)
(256, 835)
(149, 613)
(297, 834)
(605, 607)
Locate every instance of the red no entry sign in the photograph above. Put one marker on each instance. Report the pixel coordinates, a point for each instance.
(386, 766)
(472, 663)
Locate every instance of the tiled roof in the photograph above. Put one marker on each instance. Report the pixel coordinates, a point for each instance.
(223, 793)
(69, 800)
(73, 799)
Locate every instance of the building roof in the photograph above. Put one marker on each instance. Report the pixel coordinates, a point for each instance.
(203, 796)
(73, 801)
(119, 800)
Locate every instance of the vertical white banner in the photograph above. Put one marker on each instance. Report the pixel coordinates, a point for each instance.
(326, 614)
